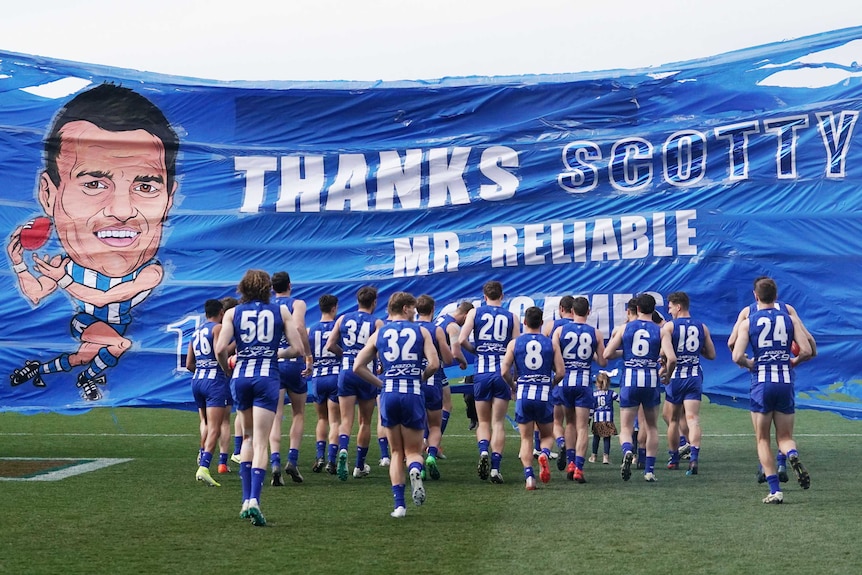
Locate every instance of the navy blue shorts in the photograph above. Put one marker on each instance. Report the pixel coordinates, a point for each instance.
(487, 386)
(290, 374)
(405, 409)
(533, 410)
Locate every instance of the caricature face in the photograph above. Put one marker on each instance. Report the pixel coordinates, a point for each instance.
(113, 197)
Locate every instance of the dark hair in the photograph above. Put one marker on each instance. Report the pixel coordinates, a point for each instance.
(766, 290)
(114, 109)
(465, 307)
(580, 306)
(492, 290)
(255, 285)
(280, 282)
(533, 317)
(657, 318)
(327, 303)
(646, 303)
(229, 302)
(398, 300)
(566, 303)
(632, 305)
(680, 298)
(366, 296)
(425, 304)
(213, 307)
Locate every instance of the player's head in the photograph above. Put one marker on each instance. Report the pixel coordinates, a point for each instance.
(492, 290)
(280, 282)
(403, 304)
(678, 301)
(461, 313)
(229, 302)
(566, 303)
(657, 318)
(632, 309)
(580, 306)
(645, 303)
(213, 308)
(255, 285)
(533, 317)
(765, 290)
(109, 178)
(327, 303)
(425, 305)
(366, 297)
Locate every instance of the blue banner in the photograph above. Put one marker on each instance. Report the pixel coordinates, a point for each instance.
(129, 198)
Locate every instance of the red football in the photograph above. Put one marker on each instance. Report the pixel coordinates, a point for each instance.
(35, 233)
(794, 348)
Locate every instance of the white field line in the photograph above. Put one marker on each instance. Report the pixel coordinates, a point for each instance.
(63, 473)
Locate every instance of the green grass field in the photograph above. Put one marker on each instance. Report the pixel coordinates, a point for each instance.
(150, 515)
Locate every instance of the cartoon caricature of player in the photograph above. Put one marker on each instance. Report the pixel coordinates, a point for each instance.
(108, 183)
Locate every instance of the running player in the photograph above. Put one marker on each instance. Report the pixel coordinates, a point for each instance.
(451, 324)
(404, 348)
(580, 345)
(433, 388)
(292, 373)
(539, 365)
(781, 458)
(258, 326)
(771, 332)
(566, 315)
(209, 385)
(492, 328)
(691, 340)
(349, 335)
(641, 341)
(325, 384)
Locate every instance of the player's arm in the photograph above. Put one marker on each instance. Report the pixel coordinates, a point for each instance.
(800, 336)
(190, 358)
(614, 344)
(466, 330)
(431, 355)
(365, 356)
(808, 336)
(294, 340)
(740, 345)
(734, 333)
(445, 352)
(506, 364)
(224, 341)
(599, 356)
(559, 365)
(299, 309)
(516, 328)
(453, 331)
(332, 344)
(668, 353)
(708, 349)
(548, 328)
(34, 288)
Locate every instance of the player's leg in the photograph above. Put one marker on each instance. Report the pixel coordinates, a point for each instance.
(499, 410)
(397, 470)
(651, 416)
(363, 436)
(691, 414)
(297, 426)
(275, 441)
(627, 423)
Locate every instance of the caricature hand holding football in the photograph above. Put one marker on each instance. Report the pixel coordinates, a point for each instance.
(35, 233)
